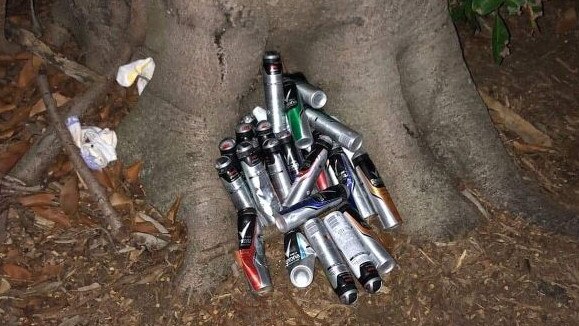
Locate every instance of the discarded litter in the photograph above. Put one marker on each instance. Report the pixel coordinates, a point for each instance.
(97, 146)
(294, 166)
(140, 70)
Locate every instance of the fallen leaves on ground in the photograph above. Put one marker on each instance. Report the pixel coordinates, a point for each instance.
(69, 195)
(54, 214)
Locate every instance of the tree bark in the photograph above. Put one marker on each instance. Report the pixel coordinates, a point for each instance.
(392, 70)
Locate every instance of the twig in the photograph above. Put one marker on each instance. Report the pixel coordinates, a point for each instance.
(5, 46)
(110, 215)
(18, 187)
(73, 69)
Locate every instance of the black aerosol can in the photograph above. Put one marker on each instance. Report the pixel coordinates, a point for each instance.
(251, 253)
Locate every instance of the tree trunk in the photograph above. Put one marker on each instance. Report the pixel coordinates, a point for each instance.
(392, 70)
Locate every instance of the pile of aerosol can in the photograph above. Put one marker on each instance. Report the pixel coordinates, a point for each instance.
(294, 166)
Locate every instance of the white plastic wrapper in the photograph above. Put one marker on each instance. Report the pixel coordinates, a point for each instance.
(140, 70)
(97, 146)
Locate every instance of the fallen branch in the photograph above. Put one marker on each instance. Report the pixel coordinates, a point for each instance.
(73, 69)
(98, 192)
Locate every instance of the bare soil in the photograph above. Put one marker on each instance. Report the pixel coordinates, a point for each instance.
(62, 269)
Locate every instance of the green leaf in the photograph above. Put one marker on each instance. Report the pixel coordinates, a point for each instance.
(514, 6)
(484, 7)
(470, 15)
(500, 39)
(457, 13)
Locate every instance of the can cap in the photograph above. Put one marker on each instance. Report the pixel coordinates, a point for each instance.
(271, 57)
(248, 118)
(263, 127)
(271, 145)
(285, 137)
(222, 163)
(244, 149)
(227, 145)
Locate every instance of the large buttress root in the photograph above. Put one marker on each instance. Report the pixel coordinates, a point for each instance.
(356, 63)
(204, 66)
(455, 123)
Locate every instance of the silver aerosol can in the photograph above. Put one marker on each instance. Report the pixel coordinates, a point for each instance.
(258, 181)
(384, 262)
(263, 131)
(251, 251)
(292, 156)
(334, 266)
(313, 165)
(310, 94)
(354, 251)
(228, 147)
(300, 259)
(276, 167)
(294, 216)
(379, 196)
(234, 183)
(339, 132)
(271, 71)
(347, 176)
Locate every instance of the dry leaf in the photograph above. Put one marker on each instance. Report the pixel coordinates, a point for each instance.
(114, 171)
(27, 74)
(42, 199)
(48, 272)
(103, 179)
(121, 202)
(132, 172)
(11, 154)
(4, 286)
(6, 134)
(20, 115)
(16, 272)
(567, 21)
(54, 214)
(145, 218)
(39, 106)
(145, 227)
(515, 123)
(7, 108)
(526, 148)
(172, 213)
(69, 195)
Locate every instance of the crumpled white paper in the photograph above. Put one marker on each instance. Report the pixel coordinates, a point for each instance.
(97, 146)
(140, 70)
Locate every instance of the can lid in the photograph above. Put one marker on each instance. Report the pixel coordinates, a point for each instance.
(227, 144)
(248, 118)
(243, 128)
(247, 211)
(222, 163)
(284, 137)
(263, 127)
(271, 56)
(271, 145)
(244, 149)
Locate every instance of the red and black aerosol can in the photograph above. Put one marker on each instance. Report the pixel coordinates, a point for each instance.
(251, 253)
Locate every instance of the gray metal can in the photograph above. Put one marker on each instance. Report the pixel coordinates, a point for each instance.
(380, 197)
(259, 183)
(356, 254)
(347, 176)
(335, 268)
(384, 262)
(294, 216)
(276, 167)
(312, 167)
(310, 94)
(339, 132)
(273, 88)
(300, 259)
(234, 183)
(291, 155)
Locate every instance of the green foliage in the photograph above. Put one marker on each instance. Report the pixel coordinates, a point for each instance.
(472, 10)
(500, 39)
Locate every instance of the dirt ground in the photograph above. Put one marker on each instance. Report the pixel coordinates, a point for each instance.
(60, 268)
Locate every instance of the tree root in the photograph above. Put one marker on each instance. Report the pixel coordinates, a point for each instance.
(99, 193)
